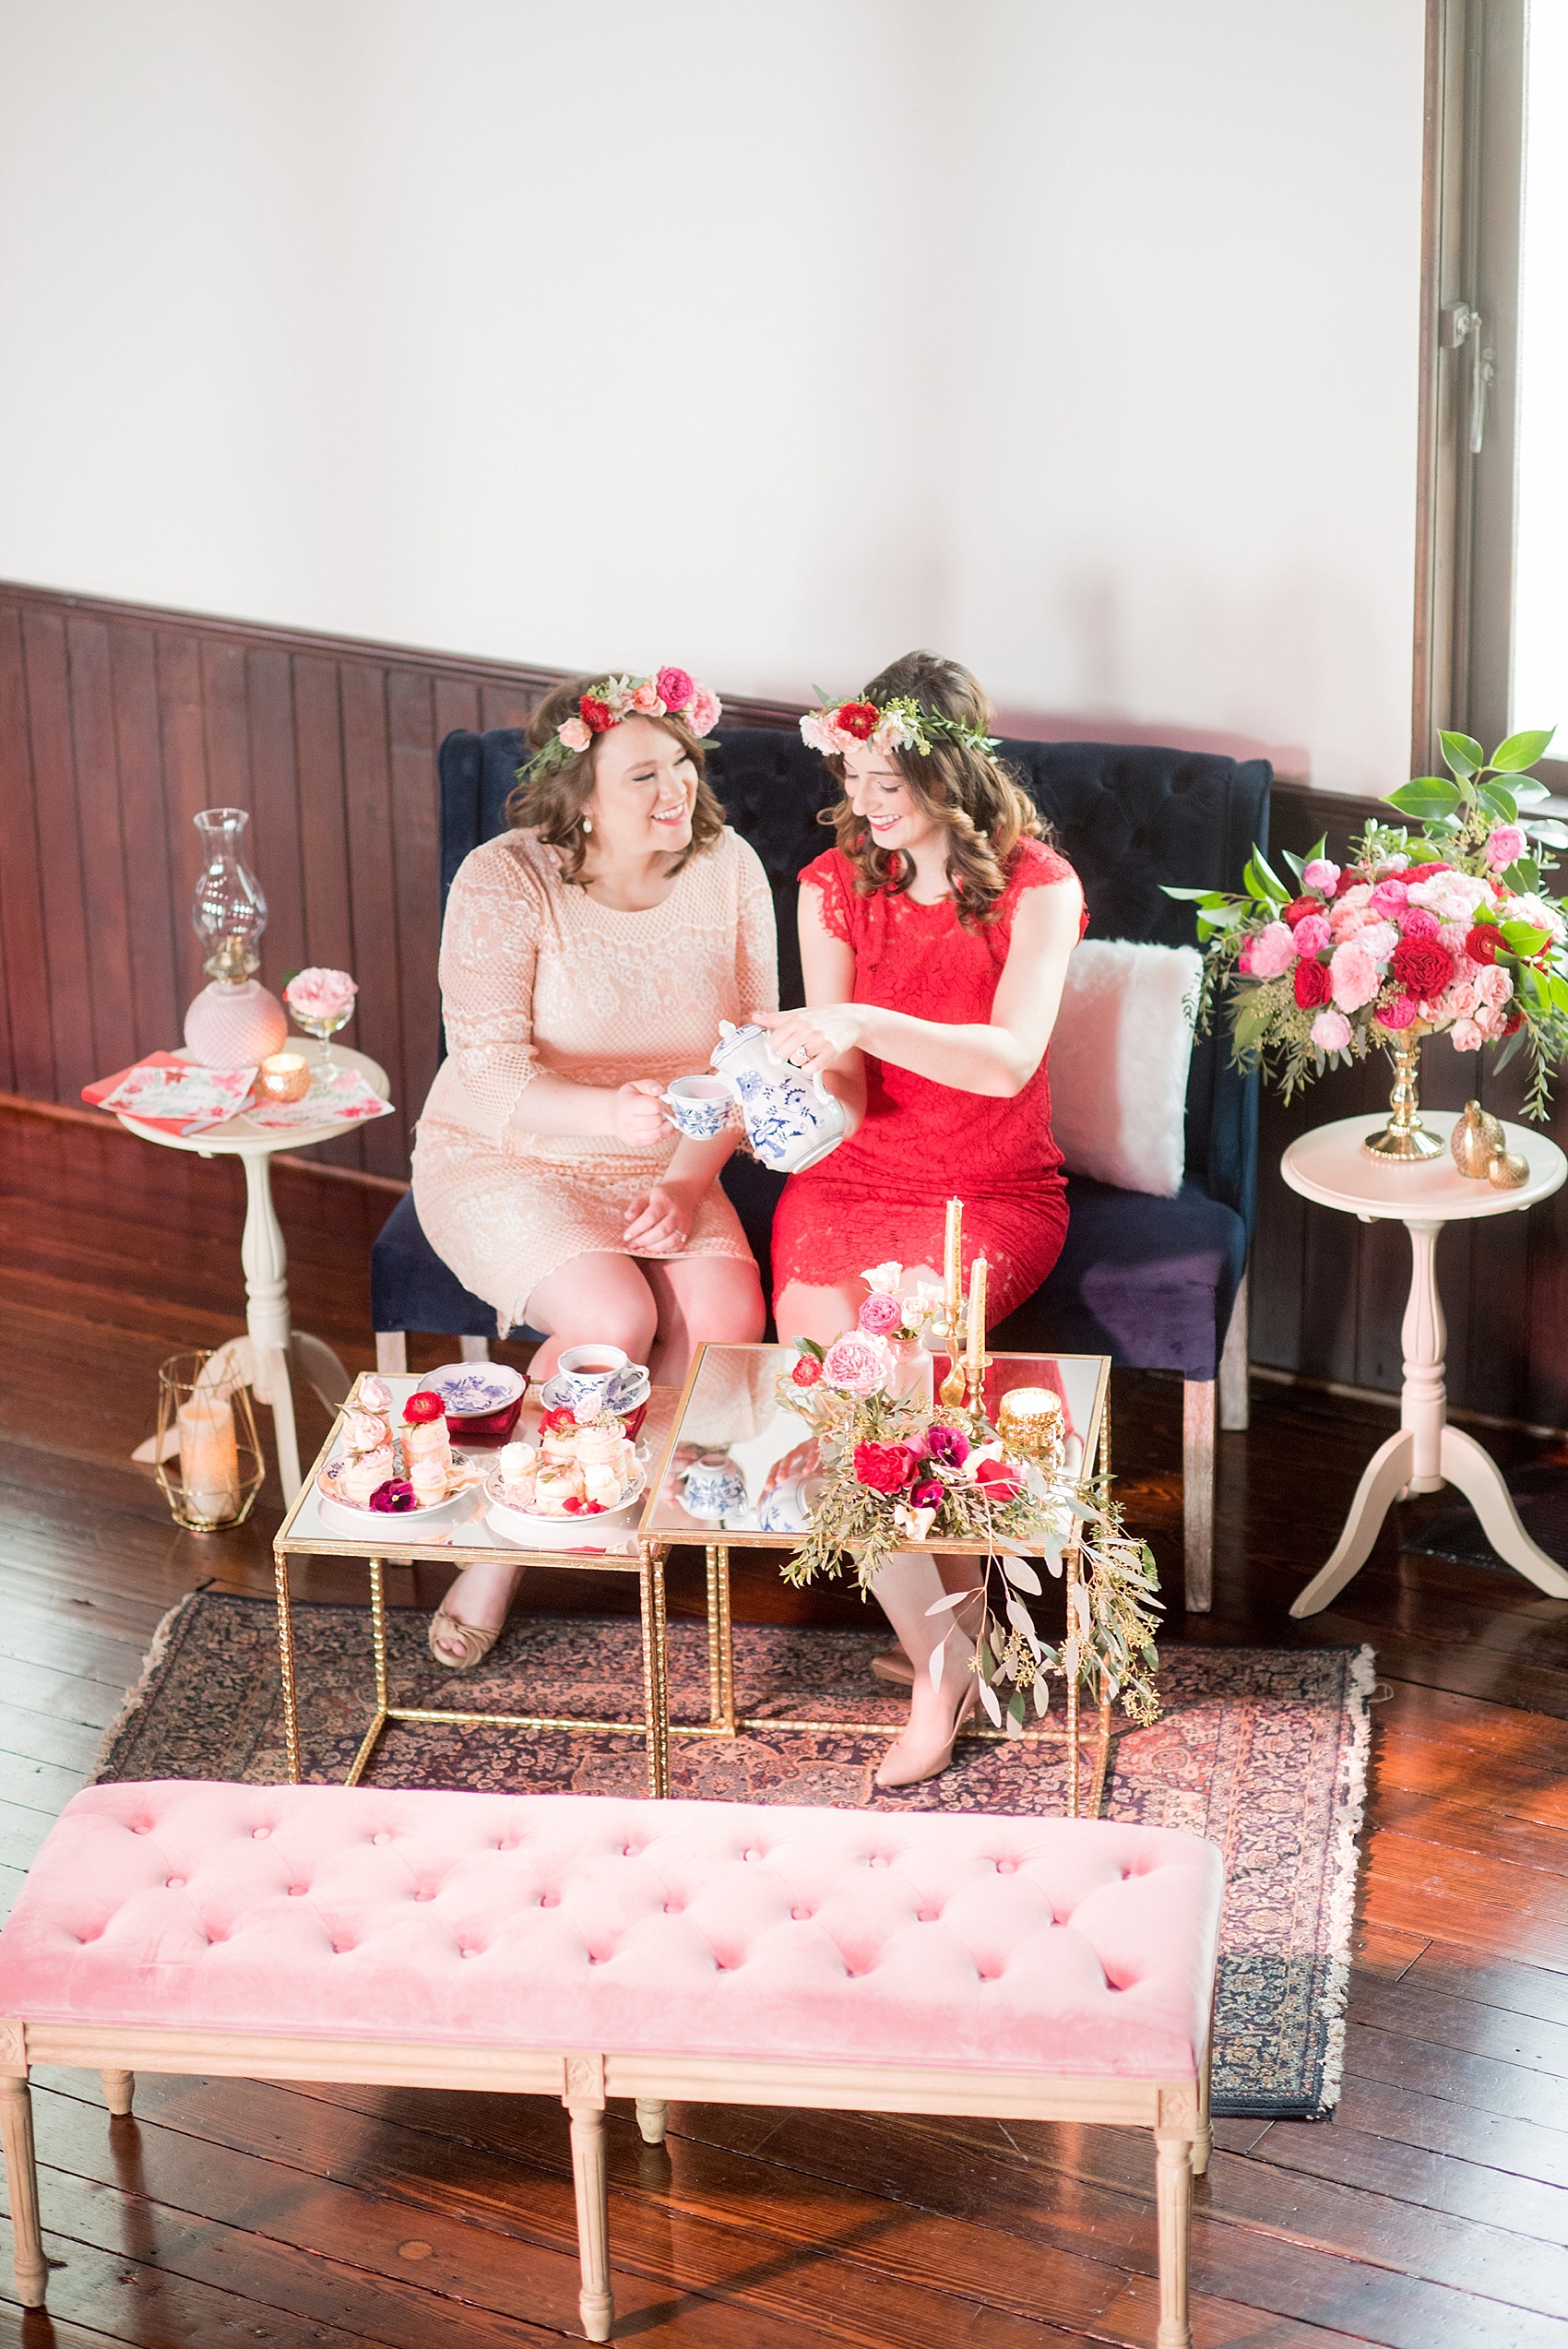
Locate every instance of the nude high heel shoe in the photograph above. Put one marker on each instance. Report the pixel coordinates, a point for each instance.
(908, 1765)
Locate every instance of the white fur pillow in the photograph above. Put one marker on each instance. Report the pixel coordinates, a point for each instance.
(1119, 1057)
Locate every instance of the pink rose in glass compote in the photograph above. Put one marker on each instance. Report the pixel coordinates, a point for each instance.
(322, 1003)
(855, 1364)
(1273, 951)
(1331, 1031)
(1311, 934)
(880, 1313)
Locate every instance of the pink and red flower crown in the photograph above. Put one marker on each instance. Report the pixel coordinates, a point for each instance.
(669, 693)
(901, 725)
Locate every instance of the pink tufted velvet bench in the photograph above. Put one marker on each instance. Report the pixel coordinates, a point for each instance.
(584, 1947)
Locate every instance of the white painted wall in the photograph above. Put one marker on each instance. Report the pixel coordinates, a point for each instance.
(1078, 340)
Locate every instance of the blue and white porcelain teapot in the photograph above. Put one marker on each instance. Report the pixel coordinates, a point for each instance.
(792, 1120)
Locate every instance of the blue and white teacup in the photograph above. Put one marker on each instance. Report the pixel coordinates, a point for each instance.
(716, 1487)
(601, 1377)
(700, 1106)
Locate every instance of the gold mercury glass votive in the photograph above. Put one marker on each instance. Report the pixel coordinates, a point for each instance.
(1029, 1421)
(284, 1077)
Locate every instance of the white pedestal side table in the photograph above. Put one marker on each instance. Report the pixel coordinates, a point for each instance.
(1329, 1166)
(271, 1346)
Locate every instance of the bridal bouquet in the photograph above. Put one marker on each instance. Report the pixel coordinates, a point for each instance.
(1447, 928)
(897, 1469)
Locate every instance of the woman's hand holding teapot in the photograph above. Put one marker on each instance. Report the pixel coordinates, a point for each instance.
(814, 1038)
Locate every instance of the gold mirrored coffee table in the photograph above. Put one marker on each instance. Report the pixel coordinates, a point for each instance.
(464, 1539)
(731, 1407)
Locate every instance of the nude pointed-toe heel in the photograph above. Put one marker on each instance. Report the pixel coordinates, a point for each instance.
(475, 1642)
(914, 1773)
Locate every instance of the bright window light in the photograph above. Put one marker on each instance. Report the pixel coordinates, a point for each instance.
(1540, 638)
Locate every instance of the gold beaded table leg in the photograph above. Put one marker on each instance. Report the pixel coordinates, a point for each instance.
(718, 1605)
(656, 1667)
(286, 1665)
(378, 1644)
(1070, 1655)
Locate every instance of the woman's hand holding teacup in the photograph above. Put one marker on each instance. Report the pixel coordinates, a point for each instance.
(811, 1040)
(636, 1114)
(661, 1221)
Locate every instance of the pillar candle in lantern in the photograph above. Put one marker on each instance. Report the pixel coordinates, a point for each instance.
(209, 1459)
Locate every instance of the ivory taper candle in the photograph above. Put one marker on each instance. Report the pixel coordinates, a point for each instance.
(975, 1348)
(952, 1267)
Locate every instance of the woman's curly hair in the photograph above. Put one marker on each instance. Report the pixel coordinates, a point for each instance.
(552, 804)
(980, 805)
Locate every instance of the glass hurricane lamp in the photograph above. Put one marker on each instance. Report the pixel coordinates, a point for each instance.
(234, 1022)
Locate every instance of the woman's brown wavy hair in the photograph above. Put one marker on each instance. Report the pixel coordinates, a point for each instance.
(552, 804)
(984, 809)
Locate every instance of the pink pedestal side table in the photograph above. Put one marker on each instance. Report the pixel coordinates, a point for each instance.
(272, 1346)
(1330, 1167)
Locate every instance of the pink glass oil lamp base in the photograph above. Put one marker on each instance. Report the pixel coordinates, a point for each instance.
(234, 1023)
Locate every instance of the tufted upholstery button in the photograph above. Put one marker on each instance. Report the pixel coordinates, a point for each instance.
(174, 1883)
(672, 1908)
(296, 1892)
(550, 1900)
(422, 1893)
(1006, 1867)
(753, 1854)
(260, 1835)
(878, 1859)
(381, 1836)
(799, 1914)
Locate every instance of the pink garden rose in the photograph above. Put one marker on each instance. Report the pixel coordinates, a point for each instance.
(1354, 978)
(1311, 934)
(1417, 923)
(1321, 876)
(648, 701)
(1494, 986)
(704, 712)
(316, 994)
(880, 1313)
(855, 1364)
(575, 734)
(1331, 1031)
(1273, 951)
(1399, 1013)
(675, 688)
(1387, 900)
(1465, 1035)
(1504, 846)
(1378, 940)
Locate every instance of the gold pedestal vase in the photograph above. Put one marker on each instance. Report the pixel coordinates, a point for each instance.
(1404, 1137)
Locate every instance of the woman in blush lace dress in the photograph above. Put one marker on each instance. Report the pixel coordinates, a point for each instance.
(587, 956)
(934, 940)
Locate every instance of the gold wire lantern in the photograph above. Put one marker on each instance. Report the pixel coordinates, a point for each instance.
(210, 1460)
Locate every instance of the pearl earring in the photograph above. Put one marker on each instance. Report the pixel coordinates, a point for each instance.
(587, 824)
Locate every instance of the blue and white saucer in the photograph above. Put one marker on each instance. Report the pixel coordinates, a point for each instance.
(472, 1390)
(555, 1398)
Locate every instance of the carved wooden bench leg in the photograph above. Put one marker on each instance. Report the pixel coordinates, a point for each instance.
(1173, 2192)
(653, 2119)
(21, 2176)
(594, 2302)
(119, 2090)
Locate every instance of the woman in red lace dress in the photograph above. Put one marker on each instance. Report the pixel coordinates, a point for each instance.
(934, 941)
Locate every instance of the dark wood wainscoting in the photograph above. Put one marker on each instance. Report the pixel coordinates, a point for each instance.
(117, 723)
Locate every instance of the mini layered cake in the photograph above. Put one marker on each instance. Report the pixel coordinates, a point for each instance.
(427, 1448)
(580, 1471)
(519, 1469)
(368, 1457)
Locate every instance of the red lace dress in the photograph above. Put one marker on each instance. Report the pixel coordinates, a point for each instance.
(884, 1193)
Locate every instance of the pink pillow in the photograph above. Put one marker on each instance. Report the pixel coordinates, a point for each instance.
(1119, 1056)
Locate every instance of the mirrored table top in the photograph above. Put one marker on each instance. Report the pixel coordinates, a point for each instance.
(731, 1412)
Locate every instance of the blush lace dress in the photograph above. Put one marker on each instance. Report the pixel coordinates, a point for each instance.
(538, 975)
(884, 1193)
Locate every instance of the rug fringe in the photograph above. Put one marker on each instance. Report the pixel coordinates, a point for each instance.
(1345, 1869)
(137, 1696)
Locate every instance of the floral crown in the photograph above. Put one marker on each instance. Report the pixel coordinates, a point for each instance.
(669, 693)
(901, 725)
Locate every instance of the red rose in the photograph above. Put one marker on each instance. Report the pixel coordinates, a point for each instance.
(1512, 1025)
(1314, 984)
(1482, 943)
(1423, 967)
(858, 719)
(885, 1467)
(422, 1406)
(998, 1479)
(1299, 907)
(598, 716)
(551, 1422)
(807, 1371)
(1349, 879)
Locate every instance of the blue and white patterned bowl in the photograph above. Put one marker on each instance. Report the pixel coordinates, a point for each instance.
(472, 1390)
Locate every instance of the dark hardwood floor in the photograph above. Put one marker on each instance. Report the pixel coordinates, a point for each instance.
(1431, 2212)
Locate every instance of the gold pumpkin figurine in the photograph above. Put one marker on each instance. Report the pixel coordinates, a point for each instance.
(1476, 1141)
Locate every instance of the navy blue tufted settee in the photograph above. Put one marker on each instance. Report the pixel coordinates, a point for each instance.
(1154, 1282)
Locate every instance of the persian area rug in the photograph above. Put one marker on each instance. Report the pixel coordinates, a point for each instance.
(1263, 1750)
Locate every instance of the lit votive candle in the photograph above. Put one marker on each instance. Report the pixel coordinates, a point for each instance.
(285, 1077)
(209, 1459)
